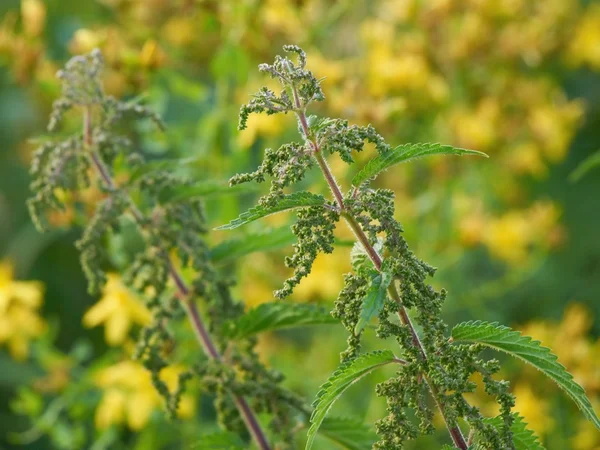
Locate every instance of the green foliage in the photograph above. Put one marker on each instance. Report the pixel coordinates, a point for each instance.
(276, 316)
(292, 201)
(189, 191)
(220, 441)
(506, 340)
(352, 434)
(523, 438)
(346, 375)
(236, 248)
(170, 219)
(405, 153)
(590, 163)
(375, 299)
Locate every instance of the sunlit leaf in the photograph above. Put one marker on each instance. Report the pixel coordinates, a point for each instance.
(375, 298)
(512, 342)
(202, 189)
(523, 438)
(346, 375)
(296, 200)
(276, 316)
(234, 249)
(404, 153)
(352, 434)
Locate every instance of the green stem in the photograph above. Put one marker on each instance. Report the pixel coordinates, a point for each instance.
(454, 430)
(183, 291)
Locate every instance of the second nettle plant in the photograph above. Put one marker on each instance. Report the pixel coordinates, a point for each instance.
(173, 268)
(434, 368)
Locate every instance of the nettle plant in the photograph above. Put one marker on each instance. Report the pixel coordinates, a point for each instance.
(174, 270)
(434, 368)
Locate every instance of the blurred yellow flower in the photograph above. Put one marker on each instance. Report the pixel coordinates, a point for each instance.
(526, 158)
(33, 13)
(585, 45)
(554, 126)
(535, 410)
(130, 397)
(325, 280)
(84, 41)
(180, 31)
(261, 125)
(119, 309)
(20, 302)
(513, 235)
(477, 128)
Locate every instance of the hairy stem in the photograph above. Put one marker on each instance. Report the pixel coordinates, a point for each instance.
(455, 432)
(183, 291)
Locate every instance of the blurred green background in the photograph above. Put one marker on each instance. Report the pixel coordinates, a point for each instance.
(515, 239)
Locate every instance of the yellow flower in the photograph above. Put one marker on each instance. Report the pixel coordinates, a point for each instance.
(554, 126)
(477, 128)
(84, 41)
(535, 410)
(512, 236)
(281, 16)
(180, 31)
(33, 13)
(130, 397)
(19, 318)
(325, 280)
(585, 46)
(261, 125)
(119, 309)
(527, 158)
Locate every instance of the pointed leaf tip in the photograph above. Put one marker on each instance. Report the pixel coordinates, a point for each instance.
(404, 153)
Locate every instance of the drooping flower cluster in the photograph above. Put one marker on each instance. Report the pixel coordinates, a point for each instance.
(171, 230)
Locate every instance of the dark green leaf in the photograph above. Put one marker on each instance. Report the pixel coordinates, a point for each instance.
(296, 200)
(234, 249)
(352, 434)
(346, 375)
(512, 342)
(404, 153)
(523, 438)
(202, 189)
(375, 299)
(276, 316)
(360, 257)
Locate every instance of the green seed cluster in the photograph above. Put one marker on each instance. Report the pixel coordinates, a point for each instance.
(433, 366)
(285, 166)
(172, 232)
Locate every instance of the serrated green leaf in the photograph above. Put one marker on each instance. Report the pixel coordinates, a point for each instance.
(346, 375)
(523, 438)
(300, 199)
(352, 434)
(234, 249)
(276, 316)
(375, 299)
(202, 189)
(359, 256)
(504, 339)
(585, 166)
(220, 441)
(404, 153)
